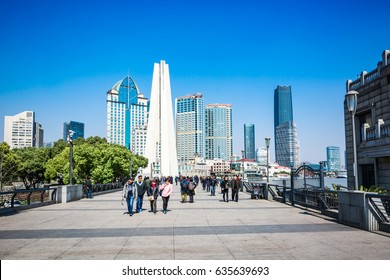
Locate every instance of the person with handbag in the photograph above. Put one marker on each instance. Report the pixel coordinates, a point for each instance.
(153, 192)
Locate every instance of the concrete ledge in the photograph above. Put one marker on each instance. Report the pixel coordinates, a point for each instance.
(354, 210)
(69, 193)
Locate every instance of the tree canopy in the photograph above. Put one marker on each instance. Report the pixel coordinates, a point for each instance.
(92, 157)
(9, 165)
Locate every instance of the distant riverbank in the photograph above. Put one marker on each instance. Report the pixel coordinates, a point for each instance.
(298, 183)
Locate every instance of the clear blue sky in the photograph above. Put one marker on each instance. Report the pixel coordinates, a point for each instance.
(58, 58)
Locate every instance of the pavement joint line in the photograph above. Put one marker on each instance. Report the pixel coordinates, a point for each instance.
(173, 231)
(127, 240)
(220, 239)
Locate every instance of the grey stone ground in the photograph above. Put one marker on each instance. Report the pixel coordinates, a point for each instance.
(207, 229)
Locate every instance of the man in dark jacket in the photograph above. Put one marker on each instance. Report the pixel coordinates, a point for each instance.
(235, 186)
(213, 185)
(141, 189)
(183, 189)
(225, 188)
(88, 186)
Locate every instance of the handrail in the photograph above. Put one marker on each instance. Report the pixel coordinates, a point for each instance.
(383, 210)
(16, 195)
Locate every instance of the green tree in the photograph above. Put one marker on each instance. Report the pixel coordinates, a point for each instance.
(32, 165)
(9, 165)
(94, 157)
(57, 166)
(57, 148)
(96, 140)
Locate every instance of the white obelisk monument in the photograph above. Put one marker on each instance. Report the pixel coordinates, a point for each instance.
(160, 147)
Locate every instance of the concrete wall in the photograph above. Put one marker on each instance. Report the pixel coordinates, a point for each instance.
(354, 210)
(69, 193)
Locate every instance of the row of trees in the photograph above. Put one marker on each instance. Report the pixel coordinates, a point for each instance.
(93, 157)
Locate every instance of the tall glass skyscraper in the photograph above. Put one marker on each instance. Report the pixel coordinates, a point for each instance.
(219, 131)
(249, 141)
(285, 130)
(283, 111)
(333, 158)
(189, 127)
(76, 127)
(127, 116)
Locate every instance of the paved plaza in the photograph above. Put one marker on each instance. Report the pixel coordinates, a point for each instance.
(207, 229)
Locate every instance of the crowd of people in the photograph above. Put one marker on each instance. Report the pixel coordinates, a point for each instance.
(134, 191)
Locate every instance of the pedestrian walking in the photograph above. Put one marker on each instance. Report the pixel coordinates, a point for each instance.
(213, 184)
(203, 182)
(183, 189)
(208, 179)
(191, 190)
(153, 193)
(141, 189)
(166, 189)
(235, 186)
(225, 188)
(129, 192)
(88, 187)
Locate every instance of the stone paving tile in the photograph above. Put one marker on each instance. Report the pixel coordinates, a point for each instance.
(207, 229)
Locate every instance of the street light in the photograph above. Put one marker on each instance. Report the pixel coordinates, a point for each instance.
(351, 100)
(267, 141)
(70, 140)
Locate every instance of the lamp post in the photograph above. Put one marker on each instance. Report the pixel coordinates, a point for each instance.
(351, 99)
(70, 140)
(267, 141)
(243, 164)
(131, 166)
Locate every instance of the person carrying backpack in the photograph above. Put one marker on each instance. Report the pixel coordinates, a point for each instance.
(183, 189)
(191, 190)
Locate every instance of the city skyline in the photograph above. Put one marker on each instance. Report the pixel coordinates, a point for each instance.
(237, 54)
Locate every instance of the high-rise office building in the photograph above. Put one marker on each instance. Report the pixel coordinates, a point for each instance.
(285, 130)
(249, 141)
(333, 158)
(286, 146)
(76, 127)
(22, 131)
(219, 131)
(261, 155)
(160, 147)
(38, 138)
(127, 116)
(189, 128)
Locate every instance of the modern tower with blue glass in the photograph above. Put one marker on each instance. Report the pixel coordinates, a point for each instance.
(333, 158)
(219, 131)
(76, 127)
(249, 141)
(190, 134)
(285, 130)
(127, 116)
